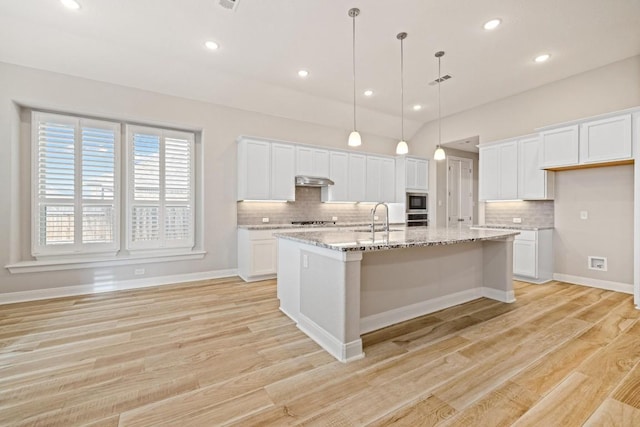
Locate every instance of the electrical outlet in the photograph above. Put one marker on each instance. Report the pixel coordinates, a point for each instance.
(584, 215)
(517, 220)
(265, 220)
(375, 217)
(334, 218)
(138, 271)
(305, 261)
(597, 263)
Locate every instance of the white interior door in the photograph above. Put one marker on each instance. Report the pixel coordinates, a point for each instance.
(459, 191)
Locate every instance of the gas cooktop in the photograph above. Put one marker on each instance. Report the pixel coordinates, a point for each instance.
(312, 222)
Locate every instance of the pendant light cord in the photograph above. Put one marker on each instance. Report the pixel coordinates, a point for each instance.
(439, 104)
(354, 71)
(402, 87)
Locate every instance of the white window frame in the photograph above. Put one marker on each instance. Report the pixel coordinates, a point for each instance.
(162, 245)
(78, 248)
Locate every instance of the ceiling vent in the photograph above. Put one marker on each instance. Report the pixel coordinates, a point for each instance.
(231, 5)
(440, 80)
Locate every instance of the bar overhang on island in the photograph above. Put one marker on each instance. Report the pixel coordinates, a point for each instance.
(339, 285)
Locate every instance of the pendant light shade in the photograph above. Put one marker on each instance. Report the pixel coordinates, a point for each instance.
(354, 136)
(402, 147)
(439, 153)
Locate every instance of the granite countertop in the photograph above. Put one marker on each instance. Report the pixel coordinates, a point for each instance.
(294, 226)
(514, 227)
(399, 237)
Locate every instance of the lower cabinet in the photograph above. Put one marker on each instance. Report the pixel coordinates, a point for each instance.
(533, 256)
(257, 254)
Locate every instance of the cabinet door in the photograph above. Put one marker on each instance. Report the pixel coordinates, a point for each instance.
(411, 170)
(606, 140)
(559, 147)
(388, 177)
(422, 175)
(374, 179)
(357, 177)
(254, 170)
(320, 163)
(283, 172)
(339, 174)
(263, 257)
(304, 161)
(532, 181)
(489, 173)
(508, 175)
(524, 258)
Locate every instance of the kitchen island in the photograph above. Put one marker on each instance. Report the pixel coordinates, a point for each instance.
(338, 285)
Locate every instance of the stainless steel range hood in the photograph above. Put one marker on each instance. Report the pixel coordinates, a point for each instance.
(312, 181)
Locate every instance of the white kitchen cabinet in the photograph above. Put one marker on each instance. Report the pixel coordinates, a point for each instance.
(380, 182)
(311, 161)
(266, 170)
(257, 254)
(559, 147)
(412, 176)
(533, 183)
(498, 173)
(357, 177)
(606, 140)
(339, 174)
(533, 256)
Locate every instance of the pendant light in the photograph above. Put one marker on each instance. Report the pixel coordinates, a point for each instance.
(354, 136)
(439, 153)
(402, 147)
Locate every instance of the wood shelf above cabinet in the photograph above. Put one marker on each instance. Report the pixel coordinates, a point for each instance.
(593, 165)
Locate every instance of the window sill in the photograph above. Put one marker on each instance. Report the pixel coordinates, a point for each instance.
(96, 262)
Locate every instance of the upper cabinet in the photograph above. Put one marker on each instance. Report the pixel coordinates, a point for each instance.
(533, 182)
(339, 174)
(380, 182)
(357, 177)
(412, 175)
(499, 171)
(266, 170)
(311, 161)
(509, 171)
(607, 139)
(559, 147)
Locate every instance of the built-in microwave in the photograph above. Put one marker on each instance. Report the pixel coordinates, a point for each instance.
(416, 203)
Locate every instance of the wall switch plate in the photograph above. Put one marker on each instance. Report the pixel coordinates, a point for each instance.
(138, 271)
(265, 219)
(334, 218)
(517, 220)
(584, 215)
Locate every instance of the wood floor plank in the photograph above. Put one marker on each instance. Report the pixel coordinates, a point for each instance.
(613, 413)
(427, 411)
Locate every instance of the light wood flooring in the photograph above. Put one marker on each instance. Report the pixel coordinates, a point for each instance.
(220, 352)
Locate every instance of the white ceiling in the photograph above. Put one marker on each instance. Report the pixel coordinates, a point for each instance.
(158, 45)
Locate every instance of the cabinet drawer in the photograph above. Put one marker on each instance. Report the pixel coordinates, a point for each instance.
(528, 235)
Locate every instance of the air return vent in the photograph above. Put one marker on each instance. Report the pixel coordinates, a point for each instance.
(440, 80)
(229, 4)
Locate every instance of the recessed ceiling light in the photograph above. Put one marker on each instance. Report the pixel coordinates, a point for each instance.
(211, 45)
(417, 107)
(303, 73)
(542, 58)
(493, 24)
(70, 4)
(368, 92)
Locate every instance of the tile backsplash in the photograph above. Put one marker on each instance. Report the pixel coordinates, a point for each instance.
(307, 206)
(533, 213)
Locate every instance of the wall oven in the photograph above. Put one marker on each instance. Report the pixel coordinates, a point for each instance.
(417, 210)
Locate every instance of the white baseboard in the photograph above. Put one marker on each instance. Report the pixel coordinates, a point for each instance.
(626, 288)
(256, 278)
(503, 296)
(344, 352)
(391, 317)
(110, 286)
(530, 280)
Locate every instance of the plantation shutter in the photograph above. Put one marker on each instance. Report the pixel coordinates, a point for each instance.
(75, 185)
(161, 196)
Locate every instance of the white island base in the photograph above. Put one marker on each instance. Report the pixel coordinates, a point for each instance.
(335, 296)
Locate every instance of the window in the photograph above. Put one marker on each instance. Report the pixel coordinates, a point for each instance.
(75, 187)
(77, 192)
(160, 188)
